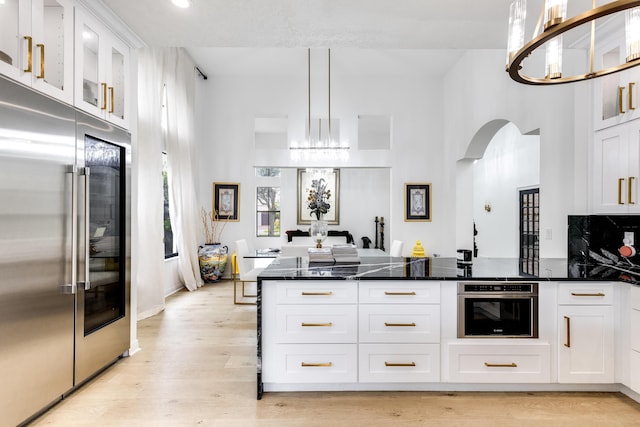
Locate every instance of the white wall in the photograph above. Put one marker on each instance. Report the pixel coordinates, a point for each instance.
(479, 91)
(510, 163)
(227, 104)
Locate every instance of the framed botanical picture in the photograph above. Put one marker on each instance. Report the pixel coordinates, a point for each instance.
(226, 200)
(417, 202)
(318, 191)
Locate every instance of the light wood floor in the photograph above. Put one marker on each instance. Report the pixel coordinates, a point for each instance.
(197, 368)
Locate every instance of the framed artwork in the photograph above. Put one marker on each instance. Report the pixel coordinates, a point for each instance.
(417, 202)
(330, 180)
(226, 200)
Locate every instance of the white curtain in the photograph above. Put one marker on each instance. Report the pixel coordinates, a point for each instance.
(147, 244)
(180, 99)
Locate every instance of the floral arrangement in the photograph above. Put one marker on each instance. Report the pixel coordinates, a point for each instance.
(212, 226)
(319, 194)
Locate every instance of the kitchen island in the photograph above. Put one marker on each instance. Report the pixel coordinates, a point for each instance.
(392, 324)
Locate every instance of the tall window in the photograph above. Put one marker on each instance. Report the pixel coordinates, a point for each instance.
(268, 211)
(170, 249)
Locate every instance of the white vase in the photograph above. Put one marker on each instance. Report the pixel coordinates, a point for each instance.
(319, 230)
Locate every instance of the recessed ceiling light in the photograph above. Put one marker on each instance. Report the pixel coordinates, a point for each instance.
(182, 3)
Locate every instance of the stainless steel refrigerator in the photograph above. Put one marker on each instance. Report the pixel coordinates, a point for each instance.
(64, 249)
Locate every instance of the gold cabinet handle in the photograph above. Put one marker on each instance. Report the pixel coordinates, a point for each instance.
(399, 293)
(501, 365)
(597, 294)
(567, 322)
(631, 85)
(399, 324)
(41, 47)
(29, 40)
(316, 324)
(400, 364)
(104, 96)
(317, 293)
(620, 102)
(630, 190)
(620, 202)
(112, 99)
(316, 365)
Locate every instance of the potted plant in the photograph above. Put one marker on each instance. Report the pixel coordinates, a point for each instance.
(212, 256)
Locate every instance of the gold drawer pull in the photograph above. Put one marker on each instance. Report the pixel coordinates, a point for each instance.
(620, 180)
(567, 321)
(399, 293)
(500, 365)
(399, 364)
(316, 365)
(317, 293)
(317, 324)
(399, 324)
(577, 294)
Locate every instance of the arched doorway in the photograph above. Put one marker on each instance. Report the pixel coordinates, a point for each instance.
(500, 162)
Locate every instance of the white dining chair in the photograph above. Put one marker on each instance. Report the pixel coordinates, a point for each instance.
(247, 273)
(396, 248)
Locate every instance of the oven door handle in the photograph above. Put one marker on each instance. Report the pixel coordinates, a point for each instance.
(567, 322)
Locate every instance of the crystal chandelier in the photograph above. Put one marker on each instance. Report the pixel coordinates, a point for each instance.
(315, 148)
(556, 23)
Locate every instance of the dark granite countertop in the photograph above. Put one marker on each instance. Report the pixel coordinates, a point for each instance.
(501, 269)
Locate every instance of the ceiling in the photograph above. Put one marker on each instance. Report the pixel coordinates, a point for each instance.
(392, 24)
(442, 29)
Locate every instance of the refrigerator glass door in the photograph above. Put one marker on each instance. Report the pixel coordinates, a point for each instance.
(104, 299)
(104, 275)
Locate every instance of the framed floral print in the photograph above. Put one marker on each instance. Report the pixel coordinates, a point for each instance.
(318, 195)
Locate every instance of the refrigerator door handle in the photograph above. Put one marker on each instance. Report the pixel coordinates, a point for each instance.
(72, 288)
(86, 172)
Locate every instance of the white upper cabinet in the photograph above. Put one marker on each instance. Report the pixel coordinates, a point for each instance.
(102, 64)
(36, 45)
(616, 169)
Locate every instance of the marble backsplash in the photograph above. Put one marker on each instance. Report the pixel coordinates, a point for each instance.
(597, 245)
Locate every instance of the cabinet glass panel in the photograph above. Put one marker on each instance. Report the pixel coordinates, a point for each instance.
(610, 83)
(104, 302)
(117, 84)
(9, 36)
(53, 41)
(90, 46)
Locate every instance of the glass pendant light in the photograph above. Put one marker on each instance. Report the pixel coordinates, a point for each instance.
(632, 33)
(555, 11)
(517, 19)
(553, 58)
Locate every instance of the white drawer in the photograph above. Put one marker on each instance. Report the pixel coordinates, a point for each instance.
(635, 297)
(399, 323)
(507, 363)
(635, 330)
(312, 363)
(317, 292)
(581, 293)
(406, 292)
(316, 324)
(634, 374)
(406, 363)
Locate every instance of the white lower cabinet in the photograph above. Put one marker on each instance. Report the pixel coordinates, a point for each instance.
(399, 363)
(585, 344)
(634, 359)
(499, 362)
(314, 363)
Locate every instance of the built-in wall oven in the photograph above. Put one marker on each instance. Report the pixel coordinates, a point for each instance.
(497, 310)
